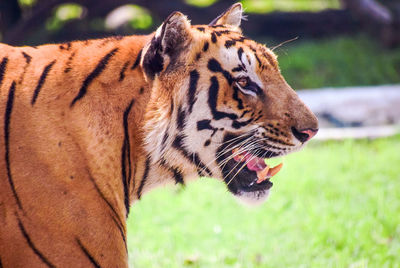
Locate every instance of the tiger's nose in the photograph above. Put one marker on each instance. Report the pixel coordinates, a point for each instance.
(304, 135)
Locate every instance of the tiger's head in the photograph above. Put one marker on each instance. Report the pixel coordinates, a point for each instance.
(219, 105)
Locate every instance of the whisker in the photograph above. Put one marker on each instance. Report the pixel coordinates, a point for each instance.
(245, 164)
(223, 152)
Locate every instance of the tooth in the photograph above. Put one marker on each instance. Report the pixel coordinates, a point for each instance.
(262, 174)
(237, 156)
(273, 171)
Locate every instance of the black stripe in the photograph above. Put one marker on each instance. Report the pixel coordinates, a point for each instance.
(41, 81)
(194, 78)
(28, 61)
(66, 46)
(244, 113)
(90, 257)
(122, 73)
(121, 231)
(258, 60)
(137, 61)
(176, 173)
(178, 177)
(3, 66)
(192, 157)
(238, 69)
(235, 96)
(27, 57)
(201, 29)
(213, 37)
(270, 60)
(237, 124)
(212, 101)
(95, 73)
(240, 53)
(278, 141)
(120, 224)
(214, 66)
(126, 157)
(171, 107)
(205, 47)
(1, 264)
(32, 246)
(181, 117)
(7, 118)
(68, 67)
(164, 140)
(204, 124)
(144, 178)
(198, 56)
(229, 43)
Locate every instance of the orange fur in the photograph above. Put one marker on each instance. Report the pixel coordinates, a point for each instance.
(57, 151)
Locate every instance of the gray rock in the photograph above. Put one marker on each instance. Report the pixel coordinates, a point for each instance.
(354, 106)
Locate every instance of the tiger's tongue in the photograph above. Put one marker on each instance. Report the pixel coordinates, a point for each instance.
(256, 164)
(253, 163)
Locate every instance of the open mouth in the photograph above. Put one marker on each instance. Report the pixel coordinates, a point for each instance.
(257, 164)
(246, 172)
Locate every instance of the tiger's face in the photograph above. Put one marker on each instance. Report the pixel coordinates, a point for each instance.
(231, 108)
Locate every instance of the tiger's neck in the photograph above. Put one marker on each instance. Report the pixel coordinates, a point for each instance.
(125, 115)
(115, 114)
(111, 103)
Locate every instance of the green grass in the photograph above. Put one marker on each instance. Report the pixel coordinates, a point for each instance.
(337, 62)
(334, 204)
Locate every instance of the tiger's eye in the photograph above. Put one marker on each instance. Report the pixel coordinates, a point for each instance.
(243, 82)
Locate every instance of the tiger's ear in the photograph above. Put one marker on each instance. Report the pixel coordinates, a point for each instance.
(232, 16)
(167, 43)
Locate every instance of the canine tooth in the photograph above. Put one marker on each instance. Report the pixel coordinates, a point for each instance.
(262, 175)
(273, 171)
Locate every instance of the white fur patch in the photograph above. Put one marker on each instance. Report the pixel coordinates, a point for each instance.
(252, 198)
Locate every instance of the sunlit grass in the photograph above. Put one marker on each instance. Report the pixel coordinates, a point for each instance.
(334, 204)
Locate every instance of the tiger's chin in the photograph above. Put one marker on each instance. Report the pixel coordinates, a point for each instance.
(253, 198)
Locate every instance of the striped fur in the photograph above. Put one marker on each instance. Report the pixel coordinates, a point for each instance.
(90, 126)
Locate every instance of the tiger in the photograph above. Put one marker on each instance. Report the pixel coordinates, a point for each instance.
(90, 126)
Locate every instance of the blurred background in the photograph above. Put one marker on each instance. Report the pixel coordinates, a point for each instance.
(334, 204)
